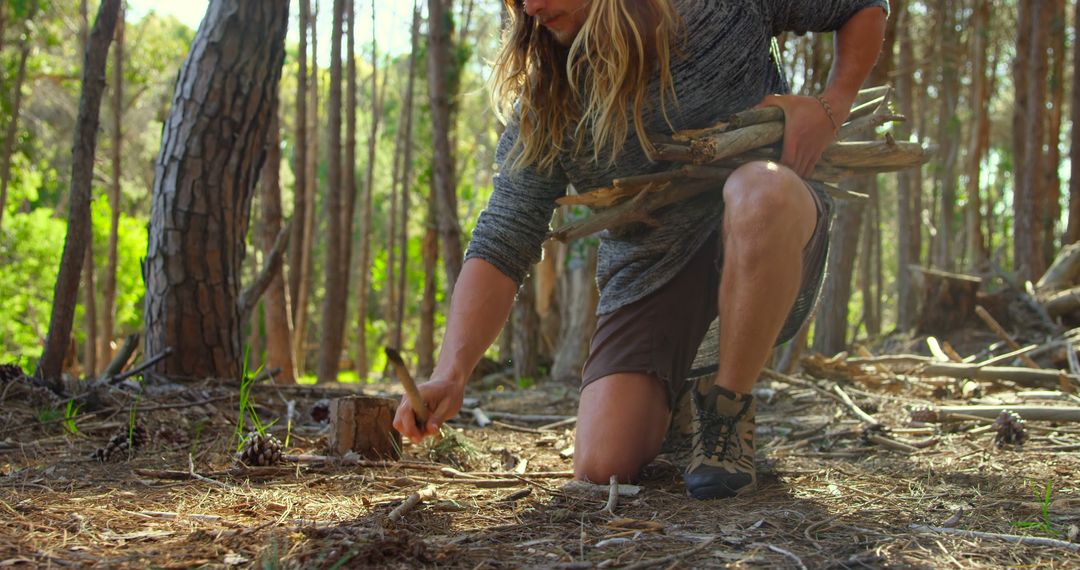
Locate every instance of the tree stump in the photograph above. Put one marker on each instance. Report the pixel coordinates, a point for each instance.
(363, 424)
(948, 301)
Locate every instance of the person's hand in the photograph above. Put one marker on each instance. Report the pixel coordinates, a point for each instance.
(443, 398)
(808, 129)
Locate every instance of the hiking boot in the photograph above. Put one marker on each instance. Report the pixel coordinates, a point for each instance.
(722, 461)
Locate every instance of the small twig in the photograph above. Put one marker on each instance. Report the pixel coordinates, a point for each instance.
(142, 367)
(1004, 335)
(787, 553)
(403, 509)
(613, 495)
(194, 475)
(854, 407)
(1016, 539)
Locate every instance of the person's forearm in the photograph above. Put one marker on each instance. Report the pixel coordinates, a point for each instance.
(479, 308)
(857, 45)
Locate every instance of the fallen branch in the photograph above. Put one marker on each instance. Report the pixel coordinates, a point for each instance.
(587, 488)
(150, 362)
(1017, 539)
(1029, 413)
(414, 499)
(1003, 335)
(117, 364)
(1027, 377)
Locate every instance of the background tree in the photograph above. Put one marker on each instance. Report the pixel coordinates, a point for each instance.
(67, 283)
(200, 212)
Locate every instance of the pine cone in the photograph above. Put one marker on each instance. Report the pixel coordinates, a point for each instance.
(122, 445)
(1010, 429)
(260, 450)
(10, 372)
(924, 415)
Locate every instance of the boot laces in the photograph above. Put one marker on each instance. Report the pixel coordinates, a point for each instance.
(719, 431)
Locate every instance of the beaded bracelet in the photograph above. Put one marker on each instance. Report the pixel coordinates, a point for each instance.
(828, 111)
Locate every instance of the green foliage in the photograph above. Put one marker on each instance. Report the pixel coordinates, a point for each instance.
(71, 411)
(1043, 524)
(247, 407)
(48, 415)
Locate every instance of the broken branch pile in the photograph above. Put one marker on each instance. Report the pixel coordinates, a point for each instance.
(708, 156)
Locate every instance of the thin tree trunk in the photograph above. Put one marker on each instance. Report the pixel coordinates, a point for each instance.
(212, 152)
(526, 330)
(13, 125)
(369, 189)
(1051, 211)
(406, 179)
(108, 286)
(90, 310)
(1073, 231)
(870, 297)
(1023, 198)
(1029, 249)
(440, 61)
(67, 281)
(301, 317)
(907, 212)
(348, 173)
(334, 297)
(979, 141)
(578, 299)
(425, 343)
(300, 187)
(276, 300)
(830, 326)
(948, 133)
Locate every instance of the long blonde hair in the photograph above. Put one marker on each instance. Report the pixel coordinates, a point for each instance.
(595, 85)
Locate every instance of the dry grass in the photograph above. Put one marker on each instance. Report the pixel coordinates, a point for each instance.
(827, 499)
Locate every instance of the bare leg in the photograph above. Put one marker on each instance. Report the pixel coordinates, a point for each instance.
(622, 421)
(769, 216)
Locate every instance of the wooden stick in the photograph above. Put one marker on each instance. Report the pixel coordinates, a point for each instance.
(613, 495)
(1004, 335)
(1028, 377)
(854, 407)
(1027, 540)
(1030, 413)
(122, 356)
(1008, 355)
(423, 494)
(411, 392)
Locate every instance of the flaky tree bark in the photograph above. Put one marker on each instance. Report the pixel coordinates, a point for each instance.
(212, 150)
(300, 187)
(108, 281)
(440, 62)
(276, 302)
(334, 296)
(82, 167)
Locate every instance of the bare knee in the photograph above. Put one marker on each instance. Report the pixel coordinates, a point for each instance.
(765, 196)
(598, 466)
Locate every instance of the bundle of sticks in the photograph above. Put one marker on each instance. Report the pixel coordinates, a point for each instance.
(706, 157)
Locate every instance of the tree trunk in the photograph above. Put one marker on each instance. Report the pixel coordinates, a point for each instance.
(276, 302)
(369, 189)
(13, 125)
(82, 167)
(212, 150)
(526, 330)
(300, 187)
(301, 315)
(1024, 222)
(578, 299)
(1073, 232)
(425, 343)
(108, 285)
(406, 178)
(348, 168)
(334, 296)
(440, 60)
(948, 134)
(908, 181)
(1030, 197)
(979, 141)
(830, 328)
(1051, 211)
(871, 299)
(90, 311)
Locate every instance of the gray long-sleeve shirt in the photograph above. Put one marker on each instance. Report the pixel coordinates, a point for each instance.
(725, 67)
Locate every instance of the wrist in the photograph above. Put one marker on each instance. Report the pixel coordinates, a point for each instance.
(840, 100)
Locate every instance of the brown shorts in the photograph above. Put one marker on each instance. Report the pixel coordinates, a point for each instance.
(660, 333)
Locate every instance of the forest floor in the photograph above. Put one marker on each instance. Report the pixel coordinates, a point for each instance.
(833, 493)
